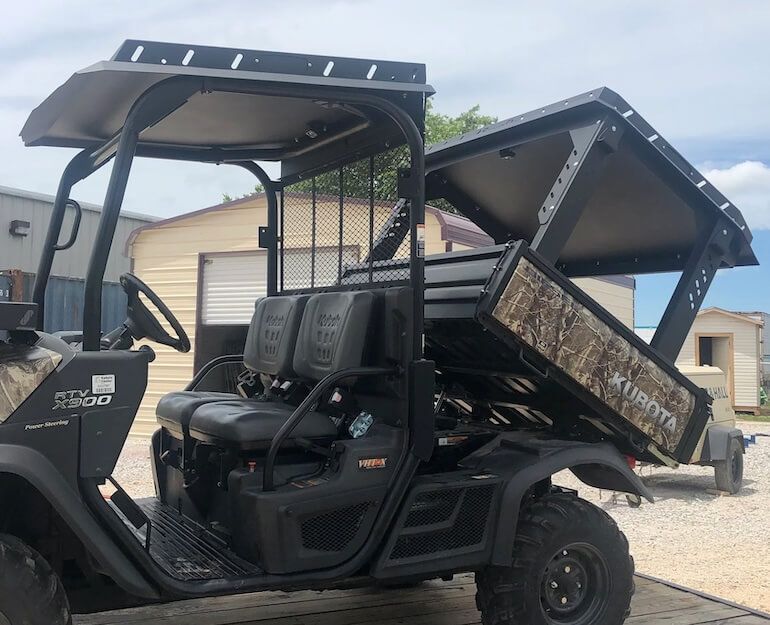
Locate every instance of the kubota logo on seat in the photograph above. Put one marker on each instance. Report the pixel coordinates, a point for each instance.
(328, 320)
(637, 398)
(67, 400)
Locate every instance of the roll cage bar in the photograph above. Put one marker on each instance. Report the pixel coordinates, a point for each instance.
(160, 100)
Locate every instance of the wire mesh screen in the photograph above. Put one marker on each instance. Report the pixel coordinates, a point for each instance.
(345, 226)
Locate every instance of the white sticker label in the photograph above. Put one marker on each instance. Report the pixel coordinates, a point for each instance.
(420, 240)
(102, 384)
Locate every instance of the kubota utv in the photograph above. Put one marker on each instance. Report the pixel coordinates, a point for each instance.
(396, 418)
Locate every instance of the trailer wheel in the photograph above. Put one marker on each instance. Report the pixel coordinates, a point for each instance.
(728, 474)
(30, 592)
(570, 566)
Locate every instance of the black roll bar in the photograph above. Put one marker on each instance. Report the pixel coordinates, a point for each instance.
(80, 167)
(271, 244)
(166, 96)
(299, 413)
(152, 106)
(716, 243)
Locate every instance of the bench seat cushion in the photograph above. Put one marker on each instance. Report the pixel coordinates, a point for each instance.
(253, 424)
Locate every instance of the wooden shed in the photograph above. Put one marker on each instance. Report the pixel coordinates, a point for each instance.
(731, 341)
(207, 266)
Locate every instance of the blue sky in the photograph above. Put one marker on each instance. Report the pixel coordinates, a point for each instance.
(742, 288)
(695, 69)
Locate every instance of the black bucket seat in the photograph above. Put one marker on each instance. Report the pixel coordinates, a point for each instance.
(332, 337)
(269, 349)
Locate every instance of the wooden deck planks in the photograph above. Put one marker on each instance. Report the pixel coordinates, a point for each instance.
(434, 603)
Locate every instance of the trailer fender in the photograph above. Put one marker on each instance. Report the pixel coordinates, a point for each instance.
(599, 465)
(716, 447)
(33, 467)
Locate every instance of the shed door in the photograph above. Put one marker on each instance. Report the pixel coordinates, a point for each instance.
(231, 285)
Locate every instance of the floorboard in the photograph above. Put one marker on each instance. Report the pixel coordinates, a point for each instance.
(434, 603)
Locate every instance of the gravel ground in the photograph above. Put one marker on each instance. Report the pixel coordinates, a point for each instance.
(719, 545)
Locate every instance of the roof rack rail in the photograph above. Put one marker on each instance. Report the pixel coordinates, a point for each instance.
(244, 60)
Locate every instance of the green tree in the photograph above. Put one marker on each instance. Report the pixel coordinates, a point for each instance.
(438, 127)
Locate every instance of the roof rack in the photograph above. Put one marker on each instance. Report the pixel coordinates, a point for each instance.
(384, 74)
(240, 104)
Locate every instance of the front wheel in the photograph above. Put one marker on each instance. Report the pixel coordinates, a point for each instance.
(571, 566)
(30, 592)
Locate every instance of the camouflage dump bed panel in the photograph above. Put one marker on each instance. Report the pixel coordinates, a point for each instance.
(22, 369)
(564, 331)
(527, 304)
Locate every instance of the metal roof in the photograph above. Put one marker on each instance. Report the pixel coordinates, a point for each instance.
(738, 316)
(263, 104)
(643, 213)
(24, 252)
(44, 197)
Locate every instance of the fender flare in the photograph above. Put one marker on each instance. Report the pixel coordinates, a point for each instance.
(33, 467)
(717, 444)
(599, 465)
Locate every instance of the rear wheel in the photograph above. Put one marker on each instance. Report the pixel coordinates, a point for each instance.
(571, 566)
(30, 592)
(728, 473)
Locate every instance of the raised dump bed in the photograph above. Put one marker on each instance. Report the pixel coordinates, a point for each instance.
(582, 187)
(545, 317)
(518, 344)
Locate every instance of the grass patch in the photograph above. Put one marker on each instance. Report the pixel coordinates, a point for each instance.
(763, 417)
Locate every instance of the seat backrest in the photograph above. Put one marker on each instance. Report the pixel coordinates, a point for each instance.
(272, 336)
(333, 333)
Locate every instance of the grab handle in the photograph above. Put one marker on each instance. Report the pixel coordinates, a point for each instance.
(75, 227)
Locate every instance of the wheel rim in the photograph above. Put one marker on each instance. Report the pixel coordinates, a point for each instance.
(736, 468)
(574, 587)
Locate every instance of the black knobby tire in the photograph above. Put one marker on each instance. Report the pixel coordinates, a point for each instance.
(728, 474)
(566, 541)
(30, 592)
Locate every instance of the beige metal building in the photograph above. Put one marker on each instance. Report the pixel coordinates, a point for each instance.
(206, 265)
(731, 341)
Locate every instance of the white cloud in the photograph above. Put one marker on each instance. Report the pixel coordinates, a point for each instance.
(507, 57)
(747, 185)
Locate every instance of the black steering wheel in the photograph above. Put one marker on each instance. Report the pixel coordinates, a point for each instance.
(142, 323)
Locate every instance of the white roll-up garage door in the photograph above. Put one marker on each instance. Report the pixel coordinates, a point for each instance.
(231, 285)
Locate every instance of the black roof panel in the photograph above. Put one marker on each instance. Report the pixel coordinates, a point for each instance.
(90, 107)
(642, 216)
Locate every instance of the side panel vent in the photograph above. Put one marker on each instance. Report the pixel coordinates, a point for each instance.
(433, 507)
(445, 522)
(333, 531)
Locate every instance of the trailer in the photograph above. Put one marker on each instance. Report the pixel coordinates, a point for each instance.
(433, 603)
